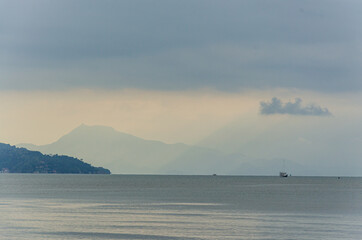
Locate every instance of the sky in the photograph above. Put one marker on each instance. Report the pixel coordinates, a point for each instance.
(224, 74)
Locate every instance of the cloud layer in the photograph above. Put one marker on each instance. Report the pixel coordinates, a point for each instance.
(275, 106)
(178, 45)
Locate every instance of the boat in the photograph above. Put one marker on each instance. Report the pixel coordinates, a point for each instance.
(283, 173)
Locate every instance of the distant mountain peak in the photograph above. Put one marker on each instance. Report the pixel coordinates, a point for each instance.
(93, 130)
(90, 127)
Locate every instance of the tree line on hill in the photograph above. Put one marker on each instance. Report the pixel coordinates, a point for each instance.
(21, 160)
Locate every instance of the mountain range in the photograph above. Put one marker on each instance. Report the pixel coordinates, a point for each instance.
(126, 154)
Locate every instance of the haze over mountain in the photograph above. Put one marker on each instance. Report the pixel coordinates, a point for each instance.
(330, 150)
(124, 153)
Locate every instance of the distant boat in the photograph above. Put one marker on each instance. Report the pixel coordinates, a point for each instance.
(283, 173)
(214, 174)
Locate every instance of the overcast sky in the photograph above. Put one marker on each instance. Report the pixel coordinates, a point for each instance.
(185, 71)
(173, 45)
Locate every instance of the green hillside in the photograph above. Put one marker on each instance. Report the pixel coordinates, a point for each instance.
(21, 160)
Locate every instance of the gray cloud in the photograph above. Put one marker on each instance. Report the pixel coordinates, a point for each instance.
(180, 44)
(293, 108)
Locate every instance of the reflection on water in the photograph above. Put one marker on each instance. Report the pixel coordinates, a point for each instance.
(52, 210)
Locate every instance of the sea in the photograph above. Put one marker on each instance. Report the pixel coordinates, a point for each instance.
(55, 206)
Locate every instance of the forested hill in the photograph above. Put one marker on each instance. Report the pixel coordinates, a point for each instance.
(21, 160)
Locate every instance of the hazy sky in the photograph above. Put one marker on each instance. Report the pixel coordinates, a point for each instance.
(184, 71)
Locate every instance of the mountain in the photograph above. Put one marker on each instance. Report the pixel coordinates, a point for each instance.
(124, 153)
(120, 152)
(21, 160)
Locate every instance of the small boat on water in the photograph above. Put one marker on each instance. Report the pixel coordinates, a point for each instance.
(283, 173)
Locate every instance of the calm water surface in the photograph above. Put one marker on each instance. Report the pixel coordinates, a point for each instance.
(178, 207)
